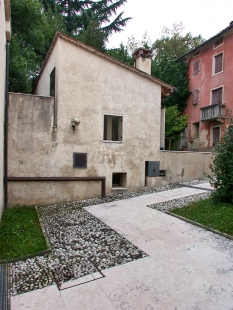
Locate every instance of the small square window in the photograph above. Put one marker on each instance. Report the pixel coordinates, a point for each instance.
(218, 42)
(218, 63)
(196, 67)
(119, 180)
(79, 160)
(113, 128)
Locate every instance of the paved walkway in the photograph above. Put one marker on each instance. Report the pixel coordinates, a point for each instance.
(187, 267)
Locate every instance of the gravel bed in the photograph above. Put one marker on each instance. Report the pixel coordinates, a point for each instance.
(81, 243)
(178, 203)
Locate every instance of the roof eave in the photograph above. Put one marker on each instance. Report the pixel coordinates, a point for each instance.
(166, 88)
(224, 33)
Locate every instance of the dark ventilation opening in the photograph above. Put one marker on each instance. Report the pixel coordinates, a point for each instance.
(162, 173)
(80, 160)
(119, 180)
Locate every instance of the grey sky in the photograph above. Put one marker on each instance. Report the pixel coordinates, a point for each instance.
(205, 17)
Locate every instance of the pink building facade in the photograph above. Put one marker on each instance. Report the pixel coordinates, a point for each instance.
(211, 86)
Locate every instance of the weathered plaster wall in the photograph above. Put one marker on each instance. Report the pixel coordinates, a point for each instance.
(33, 152)
(2, 97)
(182, 166)
(89, 86)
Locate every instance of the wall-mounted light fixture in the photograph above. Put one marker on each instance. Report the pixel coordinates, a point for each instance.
(75, 122)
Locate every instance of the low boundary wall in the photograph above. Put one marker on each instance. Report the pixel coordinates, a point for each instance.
(182, 166)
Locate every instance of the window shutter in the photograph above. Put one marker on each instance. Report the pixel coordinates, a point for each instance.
(218, 63)
(217, 96)
(195, 96)
(196, 67)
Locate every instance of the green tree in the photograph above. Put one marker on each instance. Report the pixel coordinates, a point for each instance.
(167, 49)
(174, 124)
(32, 33)
(78, 15)
(173, 44)
(174, 73)
(223, 167)
(122, 53)
(93, 36)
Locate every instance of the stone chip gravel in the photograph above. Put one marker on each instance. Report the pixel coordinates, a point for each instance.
(81, 243)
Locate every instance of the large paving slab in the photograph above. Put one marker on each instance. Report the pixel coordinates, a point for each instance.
(187, 267)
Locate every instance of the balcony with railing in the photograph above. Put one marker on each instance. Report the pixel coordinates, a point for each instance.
(213, 112)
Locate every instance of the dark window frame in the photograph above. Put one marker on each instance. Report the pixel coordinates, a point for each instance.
(82, 160)
(52, 81)
(216, 134)
(116, 131)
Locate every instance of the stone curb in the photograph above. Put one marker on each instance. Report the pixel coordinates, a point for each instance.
(199, 225)
(44, 231)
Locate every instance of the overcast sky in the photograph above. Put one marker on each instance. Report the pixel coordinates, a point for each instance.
(205, 17)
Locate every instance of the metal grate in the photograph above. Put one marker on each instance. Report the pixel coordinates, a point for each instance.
(4, 305)
(80, 160)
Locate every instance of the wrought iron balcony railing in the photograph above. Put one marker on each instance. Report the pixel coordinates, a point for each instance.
(213, 111)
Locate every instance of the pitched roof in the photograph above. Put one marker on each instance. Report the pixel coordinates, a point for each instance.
(222, 34)
(166, 88)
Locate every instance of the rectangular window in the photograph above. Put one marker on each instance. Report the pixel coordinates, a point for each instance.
(218, 42)
(217, 96)
(113, 128)
(196, 67)
(195, 96)
(216, 135)
(52, 83)
(195, 130)
(79, 160)
(218, 63)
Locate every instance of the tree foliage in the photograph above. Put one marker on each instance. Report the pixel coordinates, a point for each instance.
(174, 124)
(32, 33)
(223, 167)
(93, 36)
(122, 53)
(167, 49)
(173, 44)
(78, 15)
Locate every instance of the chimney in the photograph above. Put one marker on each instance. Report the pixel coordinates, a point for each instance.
(142, 59)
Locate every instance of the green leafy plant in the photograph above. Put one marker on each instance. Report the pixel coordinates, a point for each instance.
(223, 167)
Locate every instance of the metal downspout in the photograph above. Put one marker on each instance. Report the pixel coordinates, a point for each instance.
(6, 126)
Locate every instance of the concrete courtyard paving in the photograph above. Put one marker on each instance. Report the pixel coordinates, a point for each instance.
(187, 267)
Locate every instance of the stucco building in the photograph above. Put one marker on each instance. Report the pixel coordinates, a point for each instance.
(5, 34)
(211, 75)
(91, 116)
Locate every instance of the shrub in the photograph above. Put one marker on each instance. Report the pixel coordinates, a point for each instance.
(223, 168)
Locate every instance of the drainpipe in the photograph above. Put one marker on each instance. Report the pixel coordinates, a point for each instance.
(6, 126)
